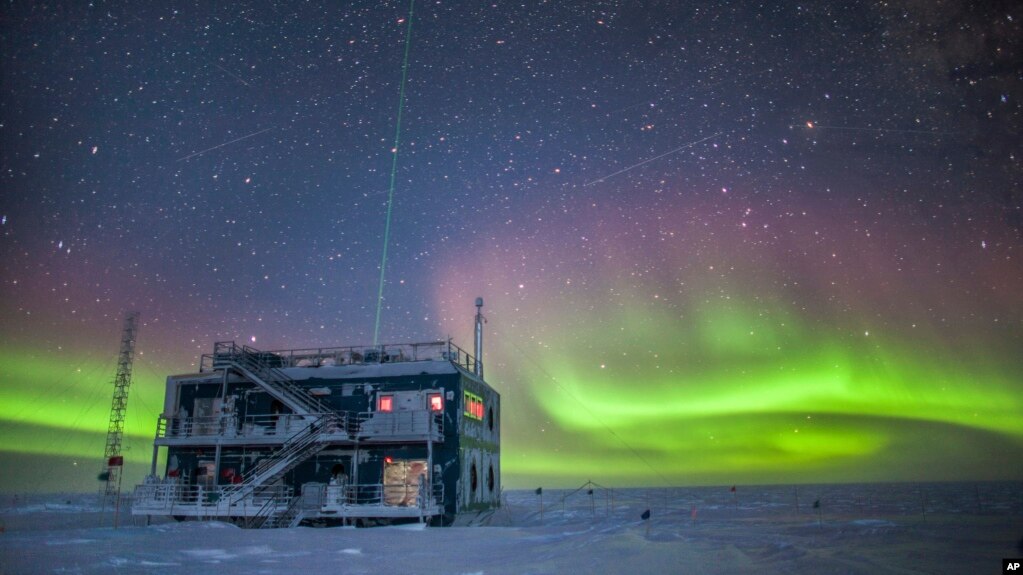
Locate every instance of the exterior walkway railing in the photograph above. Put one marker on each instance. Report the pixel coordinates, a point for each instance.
(230, 427)
(384, 424)
(363, 500)
(382, 495)
(201, 501)
(365, 425)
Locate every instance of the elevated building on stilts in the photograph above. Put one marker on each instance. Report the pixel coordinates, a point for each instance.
(348, 435)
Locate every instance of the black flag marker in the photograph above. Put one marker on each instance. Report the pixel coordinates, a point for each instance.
(539, 490)
(645, 515)
(817, 504)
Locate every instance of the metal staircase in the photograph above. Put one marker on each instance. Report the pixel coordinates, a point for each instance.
(295, 450)
(258, 367)
(290, 516)
(253, 364)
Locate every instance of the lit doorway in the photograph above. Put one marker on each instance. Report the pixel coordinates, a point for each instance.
(401, 481)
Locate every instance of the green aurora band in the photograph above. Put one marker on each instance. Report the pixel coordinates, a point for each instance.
(62, 408)
(727, 398)
(650, 362)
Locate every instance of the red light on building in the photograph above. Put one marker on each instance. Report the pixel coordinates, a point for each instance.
(436, 402)
(385, 403)
(388, 460)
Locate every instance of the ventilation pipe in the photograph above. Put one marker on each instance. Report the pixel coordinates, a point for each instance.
(478, 351)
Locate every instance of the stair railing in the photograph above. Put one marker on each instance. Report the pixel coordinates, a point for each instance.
(250, 362)
(294, 450)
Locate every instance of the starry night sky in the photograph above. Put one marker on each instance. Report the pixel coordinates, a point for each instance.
(718, 243)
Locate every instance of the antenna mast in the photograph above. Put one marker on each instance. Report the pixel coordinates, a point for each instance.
(112, 459)
(480, 320)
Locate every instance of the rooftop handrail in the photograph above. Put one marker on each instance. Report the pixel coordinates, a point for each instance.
(348, 355)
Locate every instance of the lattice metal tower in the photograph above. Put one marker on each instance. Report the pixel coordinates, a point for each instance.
(122, 382)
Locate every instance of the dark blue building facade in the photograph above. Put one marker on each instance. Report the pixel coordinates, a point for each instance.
(364, 436)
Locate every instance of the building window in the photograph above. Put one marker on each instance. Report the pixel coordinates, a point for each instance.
(436, 402)
(385, 403)
(490, 478)
(473, 406)
(473, 481)
(490, 418)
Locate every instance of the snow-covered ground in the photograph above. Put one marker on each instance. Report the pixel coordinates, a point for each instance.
(902, 528)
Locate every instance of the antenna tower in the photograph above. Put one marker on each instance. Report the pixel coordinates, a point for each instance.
(112, 459)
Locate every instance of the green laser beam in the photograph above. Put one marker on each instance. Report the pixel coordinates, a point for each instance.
(394, 169)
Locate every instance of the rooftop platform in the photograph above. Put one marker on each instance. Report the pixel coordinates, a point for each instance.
(351, 356)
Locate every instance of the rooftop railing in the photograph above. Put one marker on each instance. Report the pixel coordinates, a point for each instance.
(355, 355)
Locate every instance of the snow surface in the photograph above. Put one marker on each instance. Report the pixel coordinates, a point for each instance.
(904, 528)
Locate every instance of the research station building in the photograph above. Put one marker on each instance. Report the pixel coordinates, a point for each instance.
(362, 435)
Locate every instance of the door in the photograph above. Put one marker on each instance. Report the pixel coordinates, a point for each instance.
(401, 481)
(206, 412)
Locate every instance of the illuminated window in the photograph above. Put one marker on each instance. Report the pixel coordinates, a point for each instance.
(385, 403)
(473, 405)
(436, 402)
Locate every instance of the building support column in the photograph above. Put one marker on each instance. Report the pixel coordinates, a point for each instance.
(156, 454)
(216, 464)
